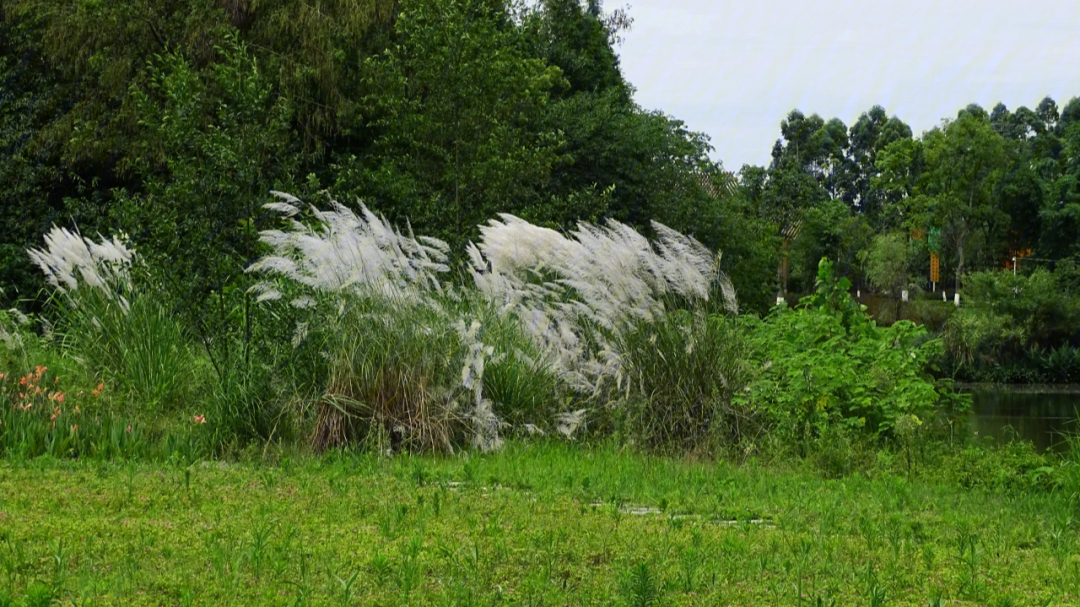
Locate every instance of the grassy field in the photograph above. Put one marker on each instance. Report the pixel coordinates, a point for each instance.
(532, 525)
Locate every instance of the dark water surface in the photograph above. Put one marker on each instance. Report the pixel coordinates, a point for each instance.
(1040, 414)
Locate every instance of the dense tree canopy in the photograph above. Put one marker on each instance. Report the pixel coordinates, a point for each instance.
(173, 121)
(976, 191)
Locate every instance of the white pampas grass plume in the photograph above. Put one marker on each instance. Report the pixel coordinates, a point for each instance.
(344, 250)
(575, 295)
(19, 317)
(568, 423)
(69, 259)
(12, 339)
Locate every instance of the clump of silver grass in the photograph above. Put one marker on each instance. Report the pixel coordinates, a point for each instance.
(345, 251)
(70, 260)
(575, 295)
(10, 320)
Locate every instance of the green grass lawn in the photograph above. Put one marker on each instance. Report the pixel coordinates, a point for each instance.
(532, 525)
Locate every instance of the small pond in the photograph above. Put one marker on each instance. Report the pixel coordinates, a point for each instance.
(1040, 414)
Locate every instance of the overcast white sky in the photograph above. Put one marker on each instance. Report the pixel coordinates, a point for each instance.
(734, 69)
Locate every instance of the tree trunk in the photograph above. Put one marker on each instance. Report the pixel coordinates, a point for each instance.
(960, 266)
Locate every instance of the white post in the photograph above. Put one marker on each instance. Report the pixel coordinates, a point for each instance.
(956, 299)
(904, 295)
(1014, 265)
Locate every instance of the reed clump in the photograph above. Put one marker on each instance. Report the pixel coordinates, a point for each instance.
(354, 332)
(541, 342)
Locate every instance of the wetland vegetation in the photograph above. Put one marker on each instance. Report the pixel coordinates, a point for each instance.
(404, 302)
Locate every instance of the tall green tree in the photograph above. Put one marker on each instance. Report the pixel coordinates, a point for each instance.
(867, 139)
(650, 165)
(456, 120)
(34, 182)
(965, 163)
(316, 53)
(795, 194)
(1060, 214)
(98, 50)
(888, 261)
(212, 144)
(575, 39)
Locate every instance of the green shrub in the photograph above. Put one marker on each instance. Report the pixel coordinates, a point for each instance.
(1014, 328)
(1060, 365)
(840, 451)
(826, 363)
(257, 381)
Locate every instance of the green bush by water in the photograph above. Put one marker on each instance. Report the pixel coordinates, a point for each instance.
(827, 364)
(1015, 329)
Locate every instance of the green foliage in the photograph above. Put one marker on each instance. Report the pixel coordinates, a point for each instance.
(1015, 328)
(172, 123)
(315, 55)
(41, 415)
(522, 392)
(750, 250)
(214, 141)
(965, 162)
(838, 452)
(575, 40)
(657, 168)
(26, 172)
(799, 175)
(888, 263)
(394, 376)
(422, 373)
(456, 121)
(830, 230)
(993, 185)
(888, 266)
(418, 375)
(826, 363)
(258, 380)
(1014, 467)
(868, 138)
(1060, 365)
(97, 51)
(640, 588)
(140, 347)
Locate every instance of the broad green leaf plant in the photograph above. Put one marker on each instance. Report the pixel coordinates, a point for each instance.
(826, 363)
